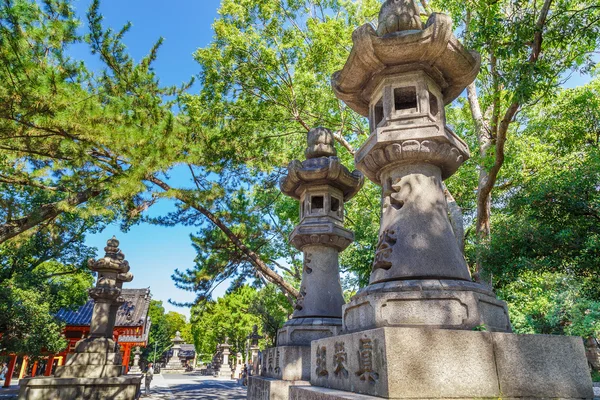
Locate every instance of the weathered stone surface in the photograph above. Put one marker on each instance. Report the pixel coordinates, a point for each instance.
(290, 363)
(404, 363)
(321, 289)
(319, 393)
(434, 303)
(542, 366)
(262, 388)
(407, 363)
(88, 371)
(302, 331)
(120, 388)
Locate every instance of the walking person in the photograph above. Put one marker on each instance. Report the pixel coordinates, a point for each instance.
(149, 377)
(3, 371)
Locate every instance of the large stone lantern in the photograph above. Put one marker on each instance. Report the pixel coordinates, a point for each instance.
(422, 329)
(401, 77)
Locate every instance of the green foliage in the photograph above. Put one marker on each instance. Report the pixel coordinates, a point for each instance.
(177, 323)
(234, 316)
(159, 337)
(29, 301)
(552, 303)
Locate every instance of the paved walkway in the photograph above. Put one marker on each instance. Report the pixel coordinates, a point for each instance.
(193, 386)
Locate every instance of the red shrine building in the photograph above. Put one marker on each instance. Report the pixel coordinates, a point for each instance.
(131, 330)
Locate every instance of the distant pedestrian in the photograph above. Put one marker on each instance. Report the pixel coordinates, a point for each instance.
(245, 375)
(149, 377)
(3, 371)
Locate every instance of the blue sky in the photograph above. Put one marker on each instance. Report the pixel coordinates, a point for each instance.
(155, 252)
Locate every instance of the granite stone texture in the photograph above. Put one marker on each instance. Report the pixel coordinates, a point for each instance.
(426, 302)
(403, 363)
(539, 365)
(262, 388)
(116, 388)
(302, 331)
(290, 363)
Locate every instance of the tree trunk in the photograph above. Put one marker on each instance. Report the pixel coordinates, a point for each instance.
(46, 212)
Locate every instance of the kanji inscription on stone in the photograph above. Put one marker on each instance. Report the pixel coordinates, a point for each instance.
(322, 361)
(340, 357)
(277, 369)
(270, 361)
(365, 359)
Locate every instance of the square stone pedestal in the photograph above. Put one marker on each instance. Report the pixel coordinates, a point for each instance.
(261, 388)
(115, 388)
(426, 363)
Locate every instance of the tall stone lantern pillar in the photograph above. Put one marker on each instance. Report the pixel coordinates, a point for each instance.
(225, 369)
(94, 371)
(174, 365)
(322, 185)
(422, 328)
(254, 337)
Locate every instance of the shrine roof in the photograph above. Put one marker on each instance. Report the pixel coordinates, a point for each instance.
(133, 312)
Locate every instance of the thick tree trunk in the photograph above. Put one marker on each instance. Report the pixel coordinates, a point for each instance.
(46, 212)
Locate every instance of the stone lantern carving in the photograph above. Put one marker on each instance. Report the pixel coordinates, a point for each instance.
(94, 370)
(422, 328)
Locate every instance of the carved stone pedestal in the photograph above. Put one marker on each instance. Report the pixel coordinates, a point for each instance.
(435, 303)
(426, 363)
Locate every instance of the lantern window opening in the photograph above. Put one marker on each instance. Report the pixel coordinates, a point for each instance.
(378, 113)
(336, 206)
(405, 99)
(317, 203)
(434, 107)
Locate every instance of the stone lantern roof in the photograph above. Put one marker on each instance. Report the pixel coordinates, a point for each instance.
(398, 47)
(320, 167)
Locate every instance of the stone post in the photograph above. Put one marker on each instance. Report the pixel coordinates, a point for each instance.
(174, 364)
(225, 369)
(94, 370)
(422, 328)
(135, 369)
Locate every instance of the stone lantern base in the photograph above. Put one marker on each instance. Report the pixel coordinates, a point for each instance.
(94, 372)
(117, 388)
(289, 363)
(436, 303)
(427, 363)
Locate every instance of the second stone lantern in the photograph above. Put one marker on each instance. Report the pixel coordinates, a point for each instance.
(323, 185)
